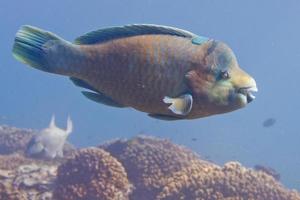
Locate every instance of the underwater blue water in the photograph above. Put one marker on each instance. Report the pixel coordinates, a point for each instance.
(263, 34)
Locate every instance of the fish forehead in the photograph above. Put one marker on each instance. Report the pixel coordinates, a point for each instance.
(221, 56)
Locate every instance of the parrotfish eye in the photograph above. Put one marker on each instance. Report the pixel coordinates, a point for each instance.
(225, 75)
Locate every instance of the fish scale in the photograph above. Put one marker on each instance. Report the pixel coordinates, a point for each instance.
(161, 77)
(117, 89)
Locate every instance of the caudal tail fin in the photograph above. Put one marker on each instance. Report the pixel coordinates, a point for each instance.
(29, 46)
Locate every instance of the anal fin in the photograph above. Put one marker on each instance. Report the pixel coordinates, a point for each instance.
(164, 117)
(96, 95)
(81, 83)
(101, 98)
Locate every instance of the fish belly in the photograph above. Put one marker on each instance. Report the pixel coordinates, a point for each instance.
(140, 71)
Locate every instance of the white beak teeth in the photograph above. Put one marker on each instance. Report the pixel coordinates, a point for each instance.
(247, 91)
(253, 89)
(251, 95)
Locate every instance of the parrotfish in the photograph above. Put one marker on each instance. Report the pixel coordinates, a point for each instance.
(166, 72)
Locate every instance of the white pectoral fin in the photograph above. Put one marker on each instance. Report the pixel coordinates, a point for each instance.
(181, 105)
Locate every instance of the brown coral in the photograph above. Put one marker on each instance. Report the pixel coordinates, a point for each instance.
(9, 193)
(35, 181)
(268, 170)
(158, 169)
(233, 181)
(148, 161)
(22, 178)
(11, 162)
(14, 139)
(92, 173)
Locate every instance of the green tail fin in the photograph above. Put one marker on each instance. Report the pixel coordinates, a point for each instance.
(29, 46)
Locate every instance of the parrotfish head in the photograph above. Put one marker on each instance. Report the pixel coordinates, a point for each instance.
(230, 87)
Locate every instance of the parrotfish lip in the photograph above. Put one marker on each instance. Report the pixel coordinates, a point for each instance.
(247, 91)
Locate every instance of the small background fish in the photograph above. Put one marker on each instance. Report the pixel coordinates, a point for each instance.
(269, 122)
(49, 142)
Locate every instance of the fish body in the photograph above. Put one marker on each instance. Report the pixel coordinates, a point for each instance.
(166, 72)
(140, 71)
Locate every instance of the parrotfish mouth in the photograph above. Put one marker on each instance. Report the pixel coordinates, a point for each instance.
(247, 91)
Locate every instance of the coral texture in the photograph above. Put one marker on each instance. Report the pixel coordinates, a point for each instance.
(142, 168)
(28, 181)
(14, 139)
(13, 161)
(233, 181)
(92, 173)
(268, 170)
(7, 192)
(148, 161)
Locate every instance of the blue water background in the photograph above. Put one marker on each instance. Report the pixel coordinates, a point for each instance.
(263, 34)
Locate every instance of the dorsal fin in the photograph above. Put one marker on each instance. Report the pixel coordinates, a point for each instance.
(52, 122)
(95, 95)
(69, 128)
(164, 117)
(106, 34)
